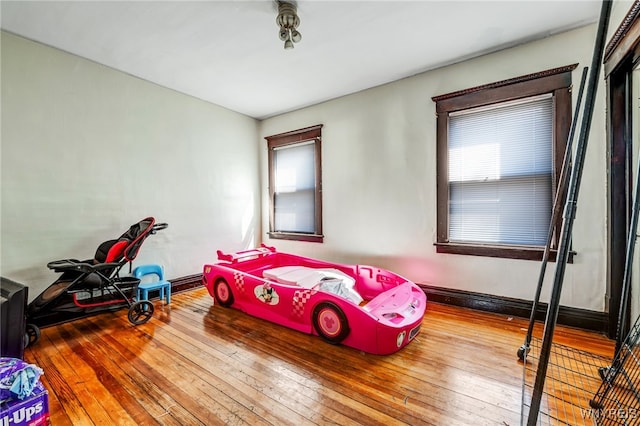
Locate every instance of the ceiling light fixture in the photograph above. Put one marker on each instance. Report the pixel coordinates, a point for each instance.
(288, 21)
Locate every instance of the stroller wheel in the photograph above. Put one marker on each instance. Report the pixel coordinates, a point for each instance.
(140, 312)
(31, 335)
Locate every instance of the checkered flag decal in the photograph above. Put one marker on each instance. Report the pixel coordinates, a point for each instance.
(300, 299)
(238, 278)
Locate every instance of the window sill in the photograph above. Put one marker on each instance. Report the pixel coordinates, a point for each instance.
(313, 238)
(506, 252)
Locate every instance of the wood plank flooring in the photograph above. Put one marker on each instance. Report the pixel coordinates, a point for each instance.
(199, 364)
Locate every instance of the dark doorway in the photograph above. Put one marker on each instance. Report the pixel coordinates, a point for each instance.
(621, 61)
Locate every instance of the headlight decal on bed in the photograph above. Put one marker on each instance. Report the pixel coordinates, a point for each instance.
(400, 338)
(300, 299)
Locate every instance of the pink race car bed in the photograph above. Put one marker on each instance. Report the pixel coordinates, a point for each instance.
(363, 307)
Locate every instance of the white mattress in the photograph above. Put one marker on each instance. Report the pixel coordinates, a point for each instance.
(327, 279)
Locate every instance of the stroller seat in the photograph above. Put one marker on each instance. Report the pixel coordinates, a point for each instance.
(111, 250)
(107, 252)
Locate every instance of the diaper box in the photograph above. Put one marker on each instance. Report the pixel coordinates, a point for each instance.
(31, 411)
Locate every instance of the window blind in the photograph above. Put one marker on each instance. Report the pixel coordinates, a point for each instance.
(294, 195)
(500, 172)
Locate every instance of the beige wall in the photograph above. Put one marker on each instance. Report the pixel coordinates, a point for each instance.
(379, 181)
(87, 151)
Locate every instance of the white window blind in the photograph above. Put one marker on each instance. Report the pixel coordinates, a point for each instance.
(294, 195)
(500, 172)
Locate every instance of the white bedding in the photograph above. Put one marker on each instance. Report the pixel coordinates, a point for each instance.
(329, 280)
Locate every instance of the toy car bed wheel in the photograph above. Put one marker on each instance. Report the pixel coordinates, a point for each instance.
(140, 312)
(223, 293)
(330, 322)
(31, 335)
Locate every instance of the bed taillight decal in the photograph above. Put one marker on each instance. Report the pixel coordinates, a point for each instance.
(414, 331)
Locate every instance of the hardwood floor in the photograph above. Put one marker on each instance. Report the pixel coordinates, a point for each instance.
(199, 364)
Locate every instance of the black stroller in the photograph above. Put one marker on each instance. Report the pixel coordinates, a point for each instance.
(92, 286)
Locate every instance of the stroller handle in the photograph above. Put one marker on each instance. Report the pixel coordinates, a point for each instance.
(158, 227)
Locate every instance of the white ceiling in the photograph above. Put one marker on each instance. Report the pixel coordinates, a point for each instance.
(229, 53)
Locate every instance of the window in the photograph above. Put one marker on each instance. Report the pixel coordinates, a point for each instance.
(500, 149)
(295, 185)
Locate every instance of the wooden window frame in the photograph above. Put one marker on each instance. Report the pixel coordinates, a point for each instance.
(295, 137)
(556, 81)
